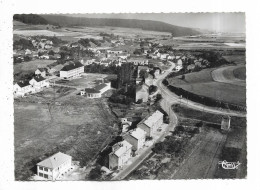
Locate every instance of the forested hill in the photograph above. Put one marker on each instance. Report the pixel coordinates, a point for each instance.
(126, 23)
(30, 19)
(99, 22)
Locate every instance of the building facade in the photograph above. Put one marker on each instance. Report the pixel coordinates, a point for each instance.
(121, 153)
(151, 124)
(72, 70)
(53, 167)
(136, 138)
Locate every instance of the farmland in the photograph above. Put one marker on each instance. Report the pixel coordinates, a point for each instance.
(73, 125)
(202, 83)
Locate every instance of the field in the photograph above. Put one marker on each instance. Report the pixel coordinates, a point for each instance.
(31, 66)
(73, 124)
(223, 41)
(212, 146)
(202, 83)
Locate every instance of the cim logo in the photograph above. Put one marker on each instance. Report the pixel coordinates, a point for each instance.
(229, 165)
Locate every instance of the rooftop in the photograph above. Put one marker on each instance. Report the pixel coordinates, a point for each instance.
(121, 147)
(38, 78)
(55, 160)
(153, 118)
(137, 133)
(72, 66)
(100, 86)
(23, 83)
(91, 90)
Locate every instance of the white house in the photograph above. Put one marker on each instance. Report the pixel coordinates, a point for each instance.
(22, 88)
(55, 166)
(136, 138)
(138, 60)
(179, 62)
(121, 152)
(97, 91)
(142, 93)
(114, 52)
(40, 71)
(44, 57)
(38, 82)
(90, 93)
(178, 67)
(163, 56)
(151, 124)
(72, 70)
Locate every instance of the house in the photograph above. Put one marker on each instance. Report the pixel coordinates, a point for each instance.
(197, 63)
(163, 56)
(142, 93)
(171, 57)
(38, 82)
(28, 52)
(55, 166)
(22, 88)
(136, 138)
(44, 57)
(121, 152)
(179, 62)
(87, 61)
(125, 124)
(151, 124)
(97, 91)
(72, 70)
(114, 52)
(40, 71)
(106, 62)
(90, 93)
(138, 60)
(178, 67)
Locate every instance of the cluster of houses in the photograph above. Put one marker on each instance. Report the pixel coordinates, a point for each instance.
(58, 165)
(36, 84)
(134, 140)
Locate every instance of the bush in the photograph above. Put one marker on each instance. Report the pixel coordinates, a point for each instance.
(95, 174)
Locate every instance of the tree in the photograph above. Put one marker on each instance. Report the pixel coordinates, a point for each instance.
(143, 74)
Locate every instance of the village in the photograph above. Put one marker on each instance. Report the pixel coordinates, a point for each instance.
(122, 78)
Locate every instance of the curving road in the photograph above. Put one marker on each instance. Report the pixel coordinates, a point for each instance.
(172, 98)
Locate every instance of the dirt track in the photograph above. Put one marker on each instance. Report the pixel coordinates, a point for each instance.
(204, 157)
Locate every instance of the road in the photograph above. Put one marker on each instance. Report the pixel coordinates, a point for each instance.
(168, 100)
(172, 98)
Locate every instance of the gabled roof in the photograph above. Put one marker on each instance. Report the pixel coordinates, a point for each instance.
(153, 118)
(55, 160)
(72, 66)
(91, 90)
(41, 69)
(137, 133)
(121, 147)
(23, 83)
(38, 78)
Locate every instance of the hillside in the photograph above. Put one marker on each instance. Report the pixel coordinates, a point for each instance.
(126, 23)
(29, 19)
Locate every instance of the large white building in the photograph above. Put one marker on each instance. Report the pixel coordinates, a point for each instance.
(53, 167)
(121, 152)
(72, 70)
(151, 124)
(136, 137)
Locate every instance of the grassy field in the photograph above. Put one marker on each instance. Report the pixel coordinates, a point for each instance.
(201, 83)
(240, 73)
(238, 59)
(31, 66)
(74, 125)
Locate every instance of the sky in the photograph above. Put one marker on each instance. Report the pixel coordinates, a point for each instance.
(218, 22)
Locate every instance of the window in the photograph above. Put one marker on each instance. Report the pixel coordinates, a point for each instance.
(40, 168)
(46, 169)
(41, 174)
(45, 176)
